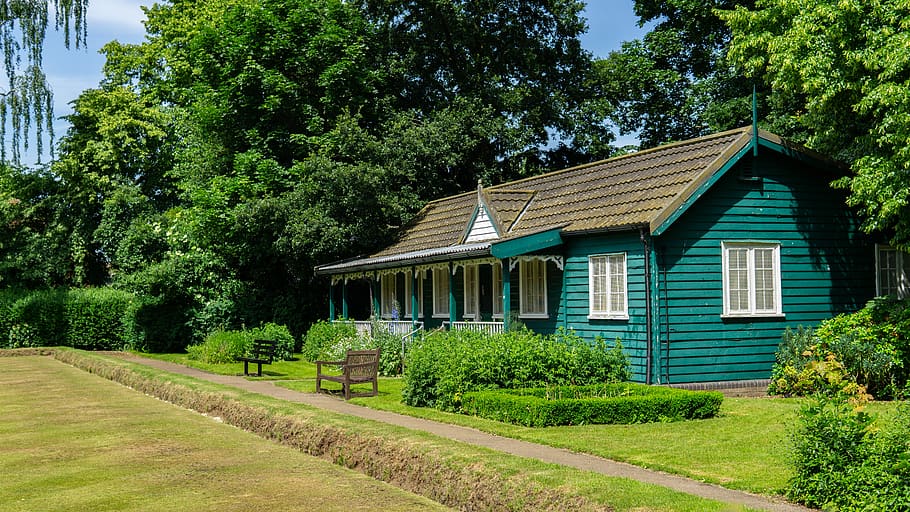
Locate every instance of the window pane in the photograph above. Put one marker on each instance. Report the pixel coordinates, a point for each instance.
(764, 280)
(533, 287)
(470, 290)
(617, 283)
(497, 289)
(888, 272)
(440, 291)
(738, 279)
(389, 305)
(599, 278)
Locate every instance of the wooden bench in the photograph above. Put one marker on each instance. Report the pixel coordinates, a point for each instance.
(261, 353)
(358, 367)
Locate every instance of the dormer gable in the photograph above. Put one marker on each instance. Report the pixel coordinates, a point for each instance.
(483, 224)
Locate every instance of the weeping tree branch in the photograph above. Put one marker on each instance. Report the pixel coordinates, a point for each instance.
(28, 100)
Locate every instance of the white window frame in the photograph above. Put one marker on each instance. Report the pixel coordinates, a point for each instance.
(526, 274)
(901, 278)
(751, 248)
(388, 284)
(441, 292)
(497, 291)
(608, 279)
(471, 276)
(407, 295)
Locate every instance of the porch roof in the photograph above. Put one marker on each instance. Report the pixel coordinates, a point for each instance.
(648, 189)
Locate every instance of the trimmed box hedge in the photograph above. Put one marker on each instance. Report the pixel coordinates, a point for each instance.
(598, 404)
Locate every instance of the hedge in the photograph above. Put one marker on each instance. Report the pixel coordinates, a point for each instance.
(619, 403)
(90, 318)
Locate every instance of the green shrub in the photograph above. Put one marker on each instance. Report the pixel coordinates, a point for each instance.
(223, 346)
(586, 405)
(44, 312)
(94, 318)
(865, 346)
(442, 366)
(844, 460)
(325, 340)
(284, 341)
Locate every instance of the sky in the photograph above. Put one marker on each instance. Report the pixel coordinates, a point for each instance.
(72, 71)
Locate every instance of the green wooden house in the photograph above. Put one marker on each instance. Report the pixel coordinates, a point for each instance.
(697, 255)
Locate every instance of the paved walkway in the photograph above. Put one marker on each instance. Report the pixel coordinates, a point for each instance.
(476, 437)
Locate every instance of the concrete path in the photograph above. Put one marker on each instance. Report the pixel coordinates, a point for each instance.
(476, 437)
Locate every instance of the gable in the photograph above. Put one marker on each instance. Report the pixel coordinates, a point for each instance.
(481, 228)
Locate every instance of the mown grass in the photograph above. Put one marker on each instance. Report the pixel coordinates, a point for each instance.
(745, 447)
(619, 493)
(72, 441)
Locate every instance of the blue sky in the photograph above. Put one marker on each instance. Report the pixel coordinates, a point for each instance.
(70, 72)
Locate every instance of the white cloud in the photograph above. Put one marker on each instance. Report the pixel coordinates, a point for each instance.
(117, 16)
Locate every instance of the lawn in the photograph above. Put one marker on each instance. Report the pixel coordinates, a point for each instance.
(744, 448)
(72, 441)
(618, 494)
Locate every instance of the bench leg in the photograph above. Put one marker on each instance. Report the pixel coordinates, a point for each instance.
(347, 390)
(246, 368)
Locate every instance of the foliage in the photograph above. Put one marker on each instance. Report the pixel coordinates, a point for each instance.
(442, 366)
(223, 346)
(285, 343)
(323, 337)
(843, 461)
(866, 349)
(675, 82)
(330, 341)
(587, 405)
(841, 68)
(86, 318)
(220, 347)
(28, 97)
(94, 318)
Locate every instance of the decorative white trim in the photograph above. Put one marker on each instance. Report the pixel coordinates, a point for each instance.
(557, 260)
(477, 261)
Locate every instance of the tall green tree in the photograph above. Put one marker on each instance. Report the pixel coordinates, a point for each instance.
(28, 98)
(675, 83)
(843, 67)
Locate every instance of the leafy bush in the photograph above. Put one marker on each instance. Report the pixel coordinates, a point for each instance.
(284, 340)
(94, 318)
(44, 312)
(845, 461)
(324, 339)
(222, 346)
(86, 318)
(330, 341)
(864, 347)
(598, 404)
(442, 366)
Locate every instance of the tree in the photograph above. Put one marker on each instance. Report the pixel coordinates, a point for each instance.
(675, 83)
(28, 97)
(843, 67)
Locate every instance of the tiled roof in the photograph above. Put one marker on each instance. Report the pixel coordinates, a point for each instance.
(629, 190)
(625, 192)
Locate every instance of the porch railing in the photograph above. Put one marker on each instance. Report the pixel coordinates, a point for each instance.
(484, 327)
(399, 328)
